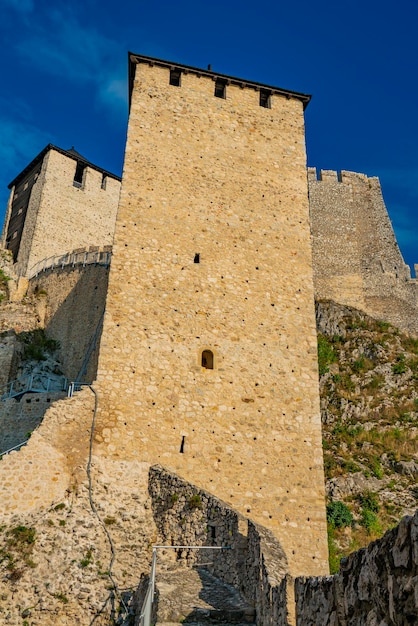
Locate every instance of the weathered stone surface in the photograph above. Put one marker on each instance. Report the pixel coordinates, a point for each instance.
(377, 585)
(224, 179)
(357, 261)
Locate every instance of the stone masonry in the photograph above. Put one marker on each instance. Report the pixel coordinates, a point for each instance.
(50, 213)
(376, 585)
(357, 261)
(212, 252)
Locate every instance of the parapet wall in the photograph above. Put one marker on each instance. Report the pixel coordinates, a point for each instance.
(255, 562)
(376, 585)
(356, 258)
(74, 301)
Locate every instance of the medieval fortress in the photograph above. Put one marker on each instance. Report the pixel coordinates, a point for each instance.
(199, 335)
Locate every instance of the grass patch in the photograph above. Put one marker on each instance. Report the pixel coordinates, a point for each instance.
(326, 354)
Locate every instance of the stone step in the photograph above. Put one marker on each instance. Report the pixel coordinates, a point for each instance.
(195, 596)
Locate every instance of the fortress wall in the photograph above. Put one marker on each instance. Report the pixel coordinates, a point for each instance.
(376, 585)
(357, 259)
(335, 244)
(224, 178)
(18, 418)
(7, 352)
(75, 301)
(32, 478)
(24, 260)
(62, 217)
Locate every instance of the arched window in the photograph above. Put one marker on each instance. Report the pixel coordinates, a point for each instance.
(207, 359)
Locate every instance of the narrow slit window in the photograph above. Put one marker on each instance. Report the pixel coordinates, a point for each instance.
(197, 257)
(182, 445)
(207, 359)
(220, 88)
(79, 174)
(104, 180)
(175, 78)
(265, 98)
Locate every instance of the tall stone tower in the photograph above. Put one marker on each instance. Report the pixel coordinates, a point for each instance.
(58, 203)
(208, 356)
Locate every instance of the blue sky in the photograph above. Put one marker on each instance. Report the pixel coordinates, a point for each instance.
(64, 78)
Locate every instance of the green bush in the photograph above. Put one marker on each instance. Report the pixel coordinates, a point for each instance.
(326, 354)
(370, 521)
(195, 502)
(400, 366)
(37, 344)
(338, 514)
(369, 501)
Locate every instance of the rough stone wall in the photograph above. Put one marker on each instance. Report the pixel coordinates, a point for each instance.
(377, 585)
(254, 563)
(225, 179)
(7, 352)
(357, 260)
(75, 301)
(62, 217)
(18, 418)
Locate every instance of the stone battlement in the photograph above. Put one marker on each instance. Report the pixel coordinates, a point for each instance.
(357, 260)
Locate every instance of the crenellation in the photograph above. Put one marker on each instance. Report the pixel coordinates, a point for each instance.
(328, 176)
(207, 363)
(357, 260)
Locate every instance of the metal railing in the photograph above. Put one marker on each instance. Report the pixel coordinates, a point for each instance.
(146, 610)
(36, 383)
(85, 257)
(19, 445)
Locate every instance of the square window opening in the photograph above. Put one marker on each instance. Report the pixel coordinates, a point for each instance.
(220, 88)
(265, 98)
(79, 174)
(175, 78)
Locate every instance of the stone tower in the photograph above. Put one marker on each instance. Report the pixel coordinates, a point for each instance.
(208, 359)
(58, 203)
(357, 260)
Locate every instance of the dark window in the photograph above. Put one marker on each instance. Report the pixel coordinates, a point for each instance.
(197, 258)
(207, 359)
(175, 78)
(104, 179)
(79, 173)
(265, 98)
(220, 88)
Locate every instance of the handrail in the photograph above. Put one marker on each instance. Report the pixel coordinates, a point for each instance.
(32, 383)
(84, 257)
(14, 448)
(146, 610)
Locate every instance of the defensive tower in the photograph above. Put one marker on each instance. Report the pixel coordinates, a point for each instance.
(208, 355)
(58, 203)
(357, 260)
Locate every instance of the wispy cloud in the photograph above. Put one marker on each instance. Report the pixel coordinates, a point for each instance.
(22, 6)
(14, 155)
(60, 45)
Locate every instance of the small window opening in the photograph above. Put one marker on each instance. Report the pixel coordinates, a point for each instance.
(197, 258)
(212, 530)
(265, 98)
(175, 78)
(104, 181)
(182, 445)
(207, 359)
(79, 173)
(220, 88)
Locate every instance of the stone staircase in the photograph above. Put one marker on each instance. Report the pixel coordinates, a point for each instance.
(195, 596)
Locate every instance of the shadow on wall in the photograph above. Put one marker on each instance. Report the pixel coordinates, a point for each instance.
(246, 582)
(376, 585)
(76, 300)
